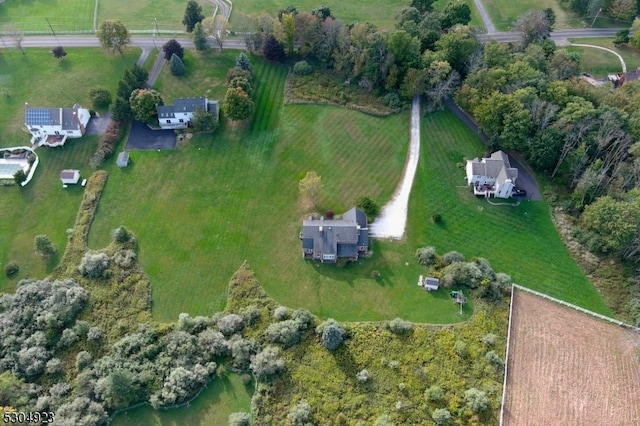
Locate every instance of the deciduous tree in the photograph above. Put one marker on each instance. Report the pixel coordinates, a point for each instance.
(533, 26)
(172, 47)
(237, 104)
(144, 104)
(19, 177)
(58, 52)
(273, 50)
(456, 12)
(199, 38)
(44, 246)
(113, 35)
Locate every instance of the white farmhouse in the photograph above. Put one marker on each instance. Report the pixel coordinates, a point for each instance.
(492, 176)
(52, 126)
(178, 115)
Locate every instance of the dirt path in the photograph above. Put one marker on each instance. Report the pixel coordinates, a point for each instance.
(568, 368)
(393, 220)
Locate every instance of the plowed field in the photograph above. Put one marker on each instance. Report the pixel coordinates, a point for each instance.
(568, 368)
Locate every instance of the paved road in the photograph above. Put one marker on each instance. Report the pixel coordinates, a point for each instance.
(158, 41)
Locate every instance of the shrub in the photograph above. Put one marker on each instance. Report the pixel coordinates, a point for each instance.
(125, 258)
(68, 338)
(299, 414)
(230, 324)
(281, 313)
(489, 339)
(461, 349)
(495, 360)
(441, 416)
(363, 376)
(11, 268)
(399, 326)
(452, 257)
(251, 314)
(19, 177)
(286, 333)
(121, 235)
(107, 143)
(239, 419)
(375, 274)
(83, 360)
(94, 334)
(461, 274)
(304, 317)
(237, 72)
(426, 256)
(476, 400)
(213, 343)
(100, 97)
(393, 100)
(434, 394)
(241, 351)
(331, 333)
(54, 366)
(44, 246)
(82, 411)
(203, 121)
(302, 68)
(368, 206)
(394, 365)
(267, 364)
(94, 265)
(436, 218)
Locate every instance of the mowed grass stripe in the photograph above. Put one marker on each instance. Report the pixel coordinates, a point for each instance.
(520, 241)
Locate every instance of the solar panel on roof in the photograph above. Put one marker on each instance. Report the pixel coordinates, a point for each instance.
(39, 117)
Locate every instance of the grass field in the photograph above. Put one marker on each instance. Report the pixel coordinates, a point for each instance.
(67, 15)
(504, 12)
(140, 14)
(212, 407)
(43, 207)
(599, 62)
(520, 241)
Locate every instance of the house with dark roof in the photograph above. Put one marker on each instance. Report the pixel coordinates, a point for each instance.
(178, 115)
(53, 126)
(328, 240)
(492, 176)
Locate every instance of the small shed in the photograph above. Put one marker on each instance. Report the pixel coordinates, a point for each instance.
(70, 176)
(431, 283)
(123, 159)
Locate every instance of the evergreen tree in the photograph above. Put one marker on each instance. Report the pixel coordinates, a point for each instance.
(199, 39)
(176, 65)
(192, 15)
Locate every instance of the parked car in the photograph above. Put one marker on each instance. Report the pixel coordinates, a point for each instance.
(517, 192)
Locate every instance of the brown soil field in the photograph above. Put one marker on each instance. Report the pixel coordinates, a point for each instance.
(568, 368)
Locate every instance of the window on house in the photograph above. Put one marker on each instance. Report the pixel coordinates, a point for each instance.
(181, 120)
(57, 132)
(168, 121)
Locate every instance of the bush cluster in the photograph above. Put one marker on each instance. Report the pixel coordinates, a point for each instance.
(94, 264)
(108, 142)
(399, 326)
(302, 68)
(426, 256)
(11, 268)
(331, 334)
(100, 97)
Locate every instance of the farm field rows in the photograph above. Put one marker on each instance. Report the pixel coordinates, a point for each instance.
(566, 367)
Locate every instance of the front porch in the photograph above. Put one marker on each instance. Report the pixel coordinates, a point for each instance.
(484, 190)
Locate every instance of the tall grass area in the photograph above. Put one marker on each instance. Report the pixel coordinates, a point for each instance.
(212, 407)
(520, 241)
(67, 15)
(43, 206)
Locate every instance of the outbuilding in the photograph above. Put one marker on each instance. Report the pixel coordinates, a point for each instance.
(123, 159)
(70, 176)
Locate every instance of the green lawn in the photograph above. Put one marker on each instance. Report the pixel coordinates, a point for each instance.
(140, 14)
(600, 62)
(504, 12)
(520, 241)
(211, 407)
(67, 15)
(43, 206)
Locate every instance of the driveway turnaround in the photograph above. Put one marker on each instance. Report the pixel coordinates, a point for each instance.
(393, 220)
(142, 137)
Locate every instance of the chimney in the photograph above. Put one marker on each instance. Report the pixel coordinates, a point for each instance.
(320, 229)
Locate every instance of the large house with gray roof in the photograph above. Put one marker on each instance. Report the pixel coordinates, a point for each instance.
(53, 126)
(328, 240)
(178, 115)
(492, 176)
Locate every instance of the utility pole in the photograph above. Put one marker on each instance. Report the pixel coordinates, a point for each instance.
(155, 31)
(596, 17)
(52, 32)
